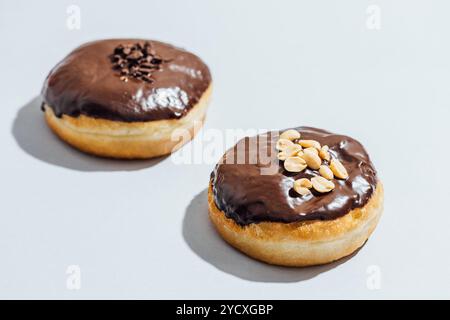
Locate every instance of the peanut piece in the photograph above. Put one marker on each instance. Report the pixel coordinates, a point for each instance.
(290, 135)
(312, 160)
(295, 164)
(309, 144)
(322, 185)
(326, 172)
(289, 152)
(303, 182)
(282, 156)
(292, 150)
(324, 154)
(312, 150)
(283, 144)
(338, 169)
(302, 191)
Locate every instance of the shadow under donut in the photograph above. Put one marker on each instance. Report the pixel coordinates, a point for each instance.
(34, 137)
(202, 238)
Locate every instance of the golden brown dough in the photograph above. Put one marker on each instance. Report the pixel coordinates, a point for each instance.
(301, 243)
(128, 140)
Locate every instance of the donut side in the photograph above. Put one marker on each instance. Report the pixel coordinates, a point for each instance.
(127, 140)
(304, 243)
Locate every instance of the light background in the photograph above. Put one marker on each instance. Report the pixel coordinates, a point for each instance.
(140, 230)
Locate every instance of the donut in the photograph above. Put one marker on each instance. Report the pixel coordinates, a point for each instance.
(126, 98)
(300, 198)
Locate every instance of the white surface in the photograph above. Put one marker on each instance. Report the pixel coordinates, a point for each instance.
(140, 230)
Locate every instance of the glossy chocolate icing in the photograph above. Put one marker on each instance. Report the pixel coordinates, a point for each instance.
(247, 196)
(85, 83)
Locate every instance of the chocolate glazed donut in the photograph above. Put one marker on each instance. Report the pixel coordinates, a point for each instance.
(264, 217)
(124, 98)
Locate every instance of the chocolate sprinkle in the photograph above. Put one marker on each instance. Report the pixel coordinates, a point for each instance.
(137, 60)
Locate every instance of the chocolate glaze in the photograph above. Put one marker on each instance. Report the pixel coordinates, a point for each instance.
(85, 83)
(248, 197)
